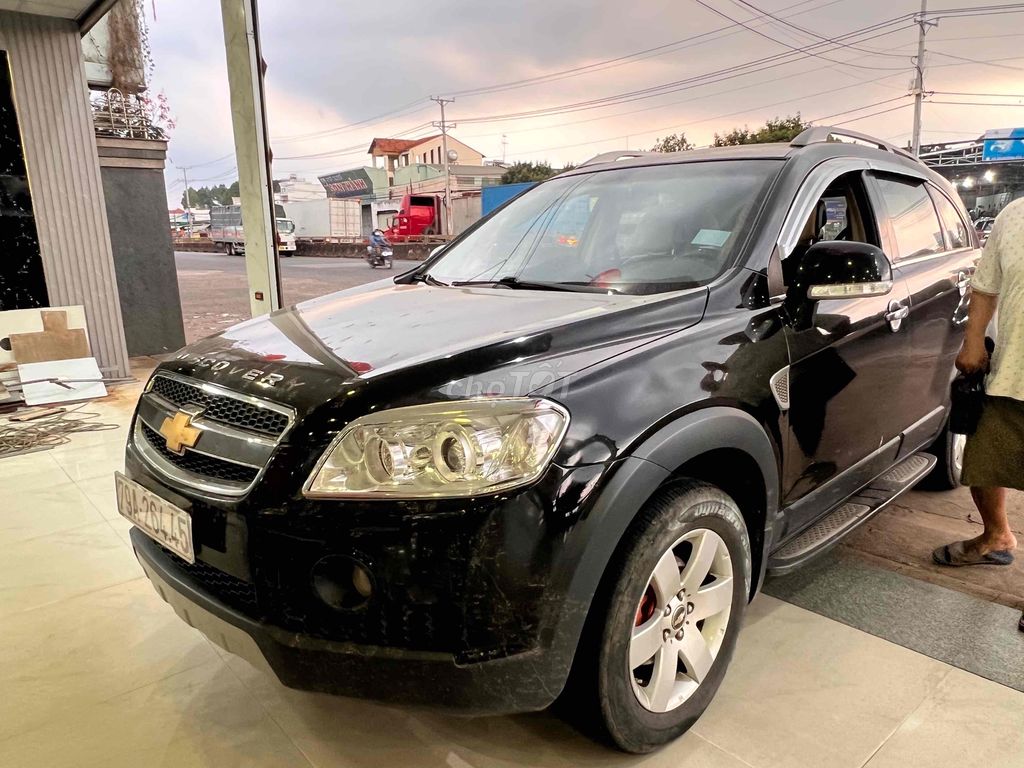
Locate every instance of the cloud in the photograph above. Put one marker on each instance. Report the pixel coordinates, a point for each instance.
(332, 63)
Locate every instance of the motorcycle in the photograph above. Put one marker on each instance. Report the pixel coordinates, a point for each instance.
(379, 256)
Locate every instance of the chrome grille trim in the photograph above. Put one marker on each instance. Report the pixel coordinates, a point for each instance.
(219, 392)
(223, 442)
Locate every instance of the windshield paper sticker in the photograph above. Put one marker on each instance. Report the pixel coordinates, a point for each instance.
(714, 237)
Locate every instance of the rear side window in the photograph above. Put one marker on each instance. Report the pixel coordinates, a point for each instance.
(952, 222)
(914, 222)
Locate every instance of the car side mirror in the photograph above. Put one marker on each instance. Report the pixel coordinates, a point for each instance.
(838, 269)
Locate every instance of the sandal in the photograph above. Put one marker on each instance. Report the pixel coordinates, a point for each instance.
(956, 555)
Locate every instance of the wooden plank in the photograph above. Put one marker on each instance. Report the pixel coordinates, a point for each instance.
(55, 342)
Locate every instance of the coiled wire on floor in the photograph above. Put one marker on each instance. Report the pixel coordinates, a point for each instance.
(48, 431)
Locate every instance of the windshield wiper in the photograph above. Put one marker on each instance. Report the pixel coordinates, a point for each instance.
(426, 277)
(510, 281)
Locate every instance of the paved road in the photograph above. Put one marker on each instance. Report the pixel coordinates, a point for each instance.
(214, 294)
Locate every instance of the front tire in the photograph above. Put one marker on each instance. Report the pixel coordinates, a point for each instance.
(675, 608)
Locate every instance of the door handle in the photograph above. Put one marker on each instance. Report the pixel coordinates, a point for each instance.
(896, 315)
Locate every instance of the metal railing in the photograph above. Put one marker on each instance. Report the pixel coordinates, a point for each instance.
(125, 117)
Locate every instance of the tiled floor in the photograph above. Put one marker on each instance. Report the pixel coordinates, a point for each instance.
(97, 671)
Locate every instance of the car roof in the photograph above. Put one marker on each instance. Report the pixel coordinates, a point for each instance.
(813, 146)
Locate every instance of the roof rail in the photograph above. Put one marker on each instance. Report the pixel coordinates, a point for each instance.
(611, 157)
(818, 134)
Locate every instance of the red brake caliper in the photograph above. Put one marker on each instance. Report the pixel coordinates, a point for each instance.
(645, 610)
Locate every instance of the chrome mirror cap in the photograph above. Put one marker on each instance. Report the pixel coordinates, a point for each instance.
(850, 290)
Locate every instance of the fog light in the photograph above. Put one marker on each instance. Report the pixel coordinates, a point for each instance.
(361, 581)
(342, 583)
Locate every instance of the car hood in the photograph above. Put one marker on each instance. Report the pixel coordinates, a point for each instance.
(385, 331)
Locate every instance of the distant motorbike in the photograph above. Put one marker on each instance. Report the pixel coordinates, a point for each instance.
(379, 256)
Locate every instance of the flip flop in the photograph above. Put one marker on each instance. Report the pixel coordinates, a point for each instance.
(955, 555)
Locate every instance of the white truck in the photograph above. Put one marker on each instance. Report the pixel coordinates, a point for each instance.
(327, 220)
(226, 230)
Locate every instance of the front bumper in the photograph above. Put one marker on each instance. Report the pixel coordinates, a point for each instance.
(516, 683)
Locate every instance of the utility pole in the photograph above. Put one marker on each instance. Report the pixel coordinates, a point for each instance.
(504, 146)
(188, 203)
(923, 25)
(444, 126)
(252, 153)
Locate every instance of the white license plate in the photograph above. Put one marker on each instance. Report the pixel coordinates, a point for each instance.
(159, 519)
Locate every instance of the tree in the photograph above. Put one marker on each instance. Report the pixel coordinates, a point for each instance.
(676, 142)
(524, 172)
(204, 197)
(783, 129)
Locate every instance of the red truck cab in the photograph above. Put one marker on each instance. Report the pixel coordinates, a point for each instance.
(419, 215)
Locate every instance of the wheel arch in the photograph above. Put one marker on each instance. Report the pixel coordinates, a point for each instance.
(728, 448)
(721, 445)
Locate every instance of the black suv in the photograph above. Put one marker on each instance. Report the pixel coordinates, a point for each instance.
(559, 457)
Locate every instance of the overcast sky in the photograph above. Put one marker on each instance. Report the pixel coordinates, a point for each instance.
(331, 64)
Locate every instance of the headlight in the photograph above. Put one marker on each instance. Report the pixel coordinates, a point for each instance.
(441, 450)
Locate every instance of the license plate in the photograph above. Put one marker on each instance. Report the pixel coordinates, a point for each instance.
(159, 519)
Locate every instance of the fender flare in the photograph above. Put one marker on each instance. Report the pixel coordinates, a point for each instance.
(635, 478)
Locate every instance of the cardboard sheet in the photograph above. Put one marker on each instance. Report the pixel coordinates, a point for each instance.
(16, 321)
(45, 393)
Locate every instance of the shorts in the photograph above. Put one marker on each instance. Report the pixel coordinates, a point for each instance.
(994, 454)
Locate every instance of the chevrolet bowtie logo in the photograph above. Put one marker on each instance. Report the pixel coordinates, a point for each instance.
(179, 433)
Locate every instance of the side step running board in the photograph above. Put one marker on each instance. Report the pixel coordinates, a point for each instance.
(863, 505)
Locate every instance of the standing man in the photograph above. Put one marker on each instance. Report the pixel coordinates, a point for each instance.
(994, 455)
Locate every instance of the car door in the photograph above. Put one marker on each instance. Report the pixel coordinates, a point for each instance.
(846, 358)
(935, 251)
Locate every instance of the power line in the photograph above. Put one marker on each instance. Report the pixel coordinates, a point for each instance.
(979, 61)
(600, 66)
(691, 99)
(810, 33)
(707, 78)
(795, 49)
(873, 114)
(710, 119)
(963, 93)
(976, 103)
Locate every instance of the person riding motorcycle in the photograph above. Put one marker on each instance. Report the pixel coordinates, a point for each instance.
(375, 250)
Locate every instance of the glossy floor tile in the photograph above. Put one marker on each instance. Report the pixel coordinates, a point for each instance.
(200, 717)
(58, 566)
(967, 723)
(96, 670)
(66, 656)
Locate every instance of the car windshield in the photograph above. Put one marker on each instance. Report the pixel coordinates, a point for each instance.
(636, 230)
(285, 226)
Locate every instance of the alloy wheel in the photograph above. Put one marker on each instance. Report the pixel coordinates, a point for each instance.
(959, 442)
(681, 620)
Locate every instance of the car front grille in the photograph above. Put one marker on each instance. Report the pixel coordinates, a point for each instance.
(230, 436)
(224, 409)
(198, 463)
(231, 590)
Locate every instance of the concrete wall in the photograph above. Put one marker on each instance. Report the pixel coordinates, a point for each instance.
(64, 176)
(133, 185)
(467, 155)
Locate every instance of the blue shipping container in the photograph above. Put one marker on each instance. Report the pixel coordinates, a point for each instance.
(492, 197)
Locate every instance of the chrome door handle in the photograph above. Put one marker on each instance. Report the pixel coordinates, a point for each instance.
(963, 282)
(896, 315)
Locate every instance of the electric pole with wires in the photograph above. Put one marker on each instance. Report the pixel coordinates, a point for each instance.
(444, 126)
(923, 25)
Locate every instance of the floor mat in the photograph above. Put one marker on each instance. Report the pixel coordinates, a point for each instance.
(975, 635)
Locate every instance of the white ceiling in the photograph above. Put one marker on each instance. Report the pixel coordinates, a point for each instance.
(65, 9)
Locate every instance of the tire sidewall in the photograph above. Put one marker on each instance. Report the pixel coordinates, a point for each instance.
(686, 507)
